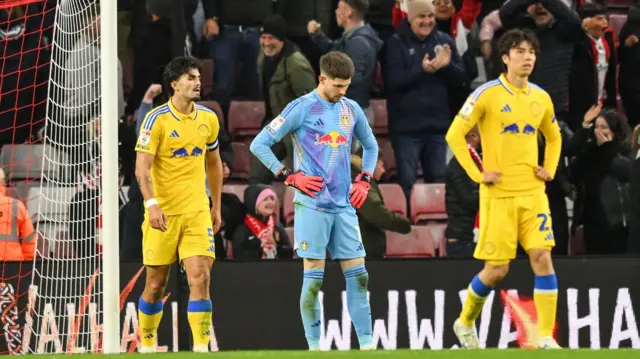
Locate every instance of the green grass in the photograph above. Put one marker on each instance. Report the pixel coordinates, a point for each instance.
(398, 354)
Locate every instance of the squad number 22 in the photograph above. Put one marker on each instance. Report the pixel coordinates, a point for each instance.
(545, 218)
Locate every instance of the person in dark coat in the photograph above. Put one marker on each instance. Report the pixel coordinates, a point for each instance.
(602, 177)
(261, 236)
(373, 217)
(629, 76)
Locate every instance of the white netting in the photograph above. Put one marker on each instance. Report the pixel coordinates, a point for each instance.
(65, 298)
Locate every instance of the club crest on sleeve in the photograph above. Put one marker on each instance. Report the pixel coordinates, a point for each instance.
(467, 108)
(275, 124)
(145, 137)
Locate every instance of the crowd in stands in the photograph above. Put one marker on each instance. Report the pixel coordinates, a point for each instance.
(416, 62)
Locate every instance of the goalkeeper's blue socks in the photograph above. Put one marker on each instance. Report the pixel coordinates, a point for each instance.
(310, 306)
(357, 280)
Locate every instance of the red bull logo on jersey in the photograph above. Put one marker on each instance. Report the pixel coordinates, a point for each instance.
(518, 128)
(333, 139)
(184, 152)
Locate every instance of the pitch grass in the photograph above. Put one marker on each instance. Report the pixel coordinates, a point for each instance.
(397, 354)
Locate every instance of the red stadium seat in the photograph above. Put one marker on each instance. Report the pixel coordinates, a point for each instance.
(215, 107)
(245, 117)
(418, 243)
(616, 21)
(237, 189)
(394, 198)
(288, 208)
(427, 202)
(437, 230)
(576, 242)
(207, 78)
(380, 123)
(241, 161)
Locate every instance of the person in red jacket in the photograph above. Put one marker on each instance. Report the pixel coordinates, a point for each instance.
(17, 237)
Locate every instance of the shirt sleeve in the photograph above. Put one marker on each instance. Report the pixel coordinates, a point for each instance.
(149, 138)
(551, 131)
(470, 114)
(212, 140)
(364, 134)
(288, 121)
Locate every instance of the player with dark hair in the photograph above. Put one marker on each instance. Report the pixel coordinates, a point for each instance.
(514, 207)
(322, 126)
(177, 142)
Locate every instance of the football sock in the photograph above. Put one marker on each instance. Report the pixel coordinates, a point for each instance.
(476, 296)
(310, 306)
(545, 296)
(357, 280)
(149, 315)
(199, 317)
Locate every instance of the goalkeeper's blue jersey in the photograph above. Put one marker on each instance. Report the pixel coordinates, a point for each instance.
(322, 134)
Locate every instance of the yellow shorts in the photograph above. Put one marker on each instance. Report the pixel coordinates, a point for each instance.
(505, 222)
(187, 235)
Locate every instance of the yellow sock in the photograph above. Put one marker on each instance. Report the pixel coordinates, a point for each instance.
(476, 296)
(199, 316)
(545, 296)
(149, 315)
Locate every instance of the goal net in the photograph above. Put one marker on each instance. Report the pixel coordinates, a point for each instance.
(52, 106)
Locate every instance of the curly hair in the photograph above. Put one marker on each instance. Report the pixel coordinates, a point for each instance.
(619, 127)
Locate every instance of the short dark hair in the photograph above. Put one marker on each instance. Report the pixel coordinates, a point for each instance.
(336, 65)
(178, 67)
(360, 7)
(591, 10)
(513, 38)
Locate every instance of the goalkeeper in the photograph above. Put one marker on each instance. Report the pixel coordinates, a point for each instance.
(322, 124)
(177, 142)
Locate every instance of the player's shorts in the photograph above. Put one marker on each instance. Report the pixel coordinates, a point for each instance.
(505, 222)
(316, 232)
(187, 235)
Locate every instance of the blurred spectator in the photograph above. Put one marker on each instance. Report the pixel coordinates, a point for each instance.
(285, 75)
(233, 28)
(17, 237)
(373, 217)
(379, 17)
(593, 69)
(629, 76)
(261, 235)
(360, 43)
(462, 200)
(421, 65)
(602, 177)
(633, 243)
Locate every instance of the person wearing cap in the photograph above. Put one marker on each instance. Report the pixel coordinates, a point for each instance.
(421, 65)
(285, 74)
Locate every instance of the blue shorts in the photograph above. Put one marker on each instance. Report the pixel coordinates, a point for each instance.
(316, 232)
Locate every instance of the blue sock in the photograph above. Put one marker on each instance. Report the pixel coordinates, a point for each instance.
(310, 306)
(357, 280)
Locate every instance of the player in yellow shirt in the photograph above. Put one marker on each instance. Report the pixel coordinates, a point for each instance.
(514, 208)
(177, 147)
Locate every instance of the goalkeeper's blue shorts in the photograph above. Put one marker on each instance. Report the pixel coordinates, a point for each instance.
(316, 232)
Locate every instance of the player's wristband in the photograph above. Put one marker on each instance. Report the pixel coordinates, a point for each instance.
(151, 202)
(283, 173)
(365, 177)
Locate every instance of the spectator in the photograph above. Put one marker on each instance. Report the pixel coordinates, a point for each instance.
(421, 65)
(462, 200)
(17, 238)
(233, 28)
(602, 177)
(593, 69)
(261, 235)
(629, 63)
(373, 217)
(360, 43)
(379, 17)
(633, 244)
(285, 75)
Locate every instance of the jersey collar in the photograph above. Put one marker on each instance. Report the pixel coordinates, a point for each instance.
(512, 89)
(179, 116)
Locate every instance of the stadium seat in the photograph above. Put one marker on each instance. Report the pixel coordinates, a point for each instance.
(427, 202)
(394, 198)
(24, 161)
(215, 107)
(245, 117)
(616, 21)
(288, 208)
(437, 231)
(207, 78)
(237, 189)
(381, 117)
(241, 161)
(576, 242)
(418, 243)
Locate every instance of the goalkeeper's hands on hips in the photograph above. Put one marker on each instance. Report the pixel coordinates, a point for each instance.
(157, 218)
(309, 185)
(360, 189)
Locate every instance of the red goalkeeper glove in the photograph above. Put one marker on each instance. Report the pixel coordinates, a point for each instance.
(309, 185)
(360, 189)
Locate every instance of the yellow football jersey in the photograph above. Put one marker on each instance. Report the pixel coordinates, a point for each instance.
(508, 119)
(179, 143)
